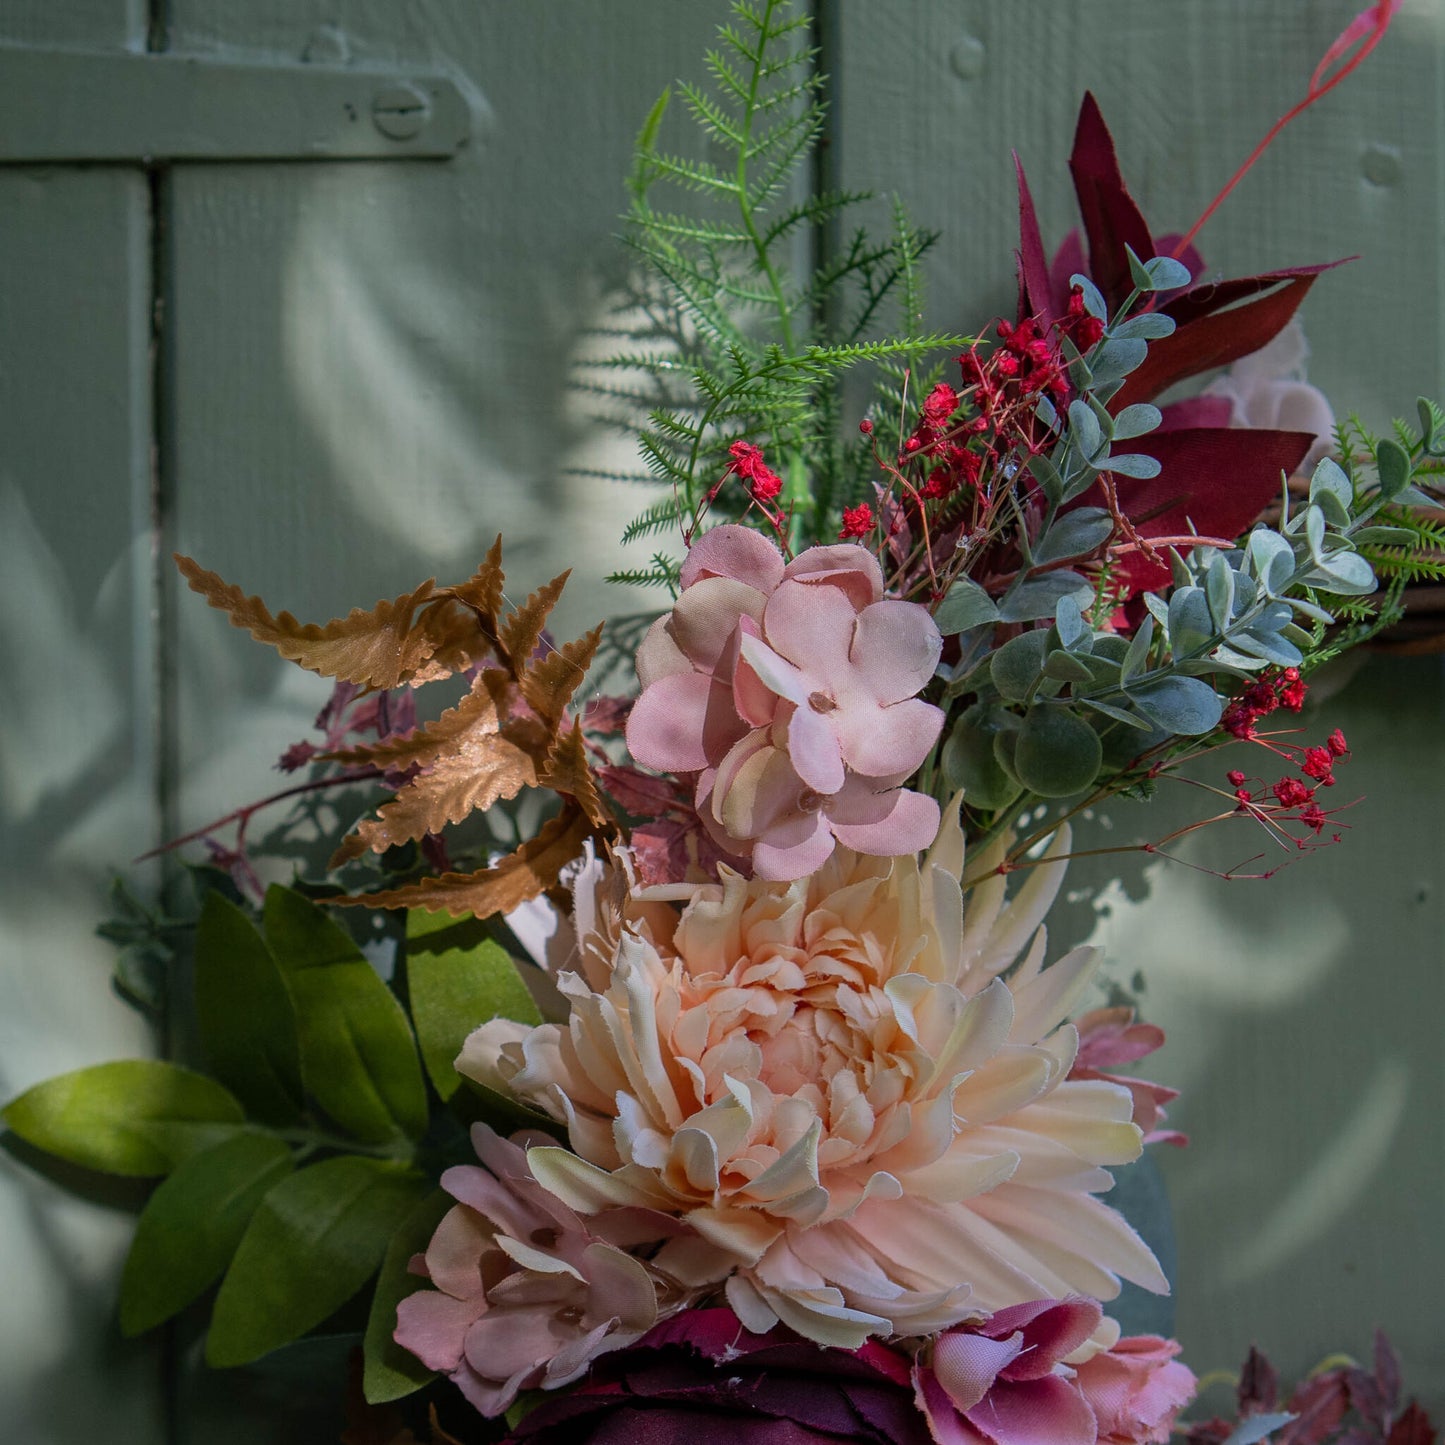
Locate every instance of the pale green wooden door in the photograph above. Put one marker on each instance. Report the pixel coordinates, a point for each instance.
(359, 375)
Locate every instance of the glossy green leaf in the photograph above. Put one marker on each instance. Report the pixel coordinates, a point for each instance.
(1182, 705)
(97, 1117)
(246, 1021)
(966, 605)
(458, 977)
(190, 1228)
(316, 1238)
(389, 1371)
(1058, 753)
(358, 1056)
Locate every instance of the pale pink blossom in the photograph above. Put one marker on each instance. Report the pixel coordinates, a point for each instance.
(1035, 1372)
(866, 1128)
(1111, 1036)
(789, 693)
(526, 1293)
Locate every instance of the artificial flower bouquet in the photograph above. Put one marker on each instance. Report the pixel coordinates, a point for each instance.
(709, 1070)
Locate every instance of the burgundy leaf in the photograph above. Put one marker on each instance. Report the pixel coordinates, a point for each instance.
(1258, 1385)
(1412, 1428)
(1111, 218)
(1318, 1404)
(1211, 341)
(1196, 411)
(1034, 297)
(1387, 1371)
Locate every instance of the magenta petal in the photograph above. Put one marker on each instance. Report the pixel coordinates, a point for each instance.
(884, 824)
(945, 1424)
(1050, 1411)
(433, 1326)
(882, 742)
(813, 750)
(895, 649)
(665, 727)
(1051, 1335)
(967, 1364)
(737, 552)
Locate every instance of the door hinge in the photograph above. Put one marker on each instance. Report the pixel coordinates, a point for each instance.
(139, 108)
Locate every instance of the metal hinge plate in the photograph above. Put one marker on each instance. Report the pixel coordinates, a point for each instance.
(134, 108)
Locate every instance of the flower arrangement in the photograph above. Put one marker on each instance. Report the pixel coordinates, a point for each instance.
(738, 1088)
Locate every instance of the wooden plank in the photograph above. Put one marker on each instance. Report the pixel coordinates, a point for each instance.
(78, 772)
(1304, 1013)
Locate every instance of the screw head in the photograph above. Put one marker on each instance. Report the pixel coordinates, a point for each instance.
(400, 111)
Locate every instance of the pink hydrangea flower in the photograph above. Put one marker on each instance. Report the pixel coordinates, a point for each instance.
(1030, 1373)
(526, 1294)
(789, 692)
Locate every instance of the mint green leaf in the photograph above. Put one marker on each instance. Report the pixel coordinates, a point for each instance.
(1058, 753)
(1016, 666)
(247, 1024)
(391, 1372)
(1039, 597)
(1393, 462)
(358, 1056)
(969, 761)
(1136, 421)
(315, 1239)
(965, 605)
(190, 1228)
(1074, 534)
(1182, 705)
(97, 1117)
(458, 977)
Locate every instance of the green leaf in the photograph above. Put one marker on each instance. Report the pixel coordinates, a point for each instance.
(1016, 666)
(1138, 653)
(1066, 667)
(1093, 298)
(1136, 421)
(1134, 464)
(458, 977)
(1058, 753)
(1182, 705)
(965, 605)
(358, 1056)
(1393, 462)
(1084, 430)
(190, 1228)
(390, 1372)
(1039, 597)
(1046, 474)
(1219, 589)
(969, 761)
(1074, 534)
(1147, 326)
(316, 1238)
(96, 1117)
(247, 1024)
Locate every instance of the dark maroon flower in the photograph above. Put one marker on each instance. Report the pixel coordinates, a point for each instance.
(700, 1377)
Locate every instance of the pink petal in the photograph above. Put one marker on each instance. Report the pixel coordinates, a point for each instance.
(433, 1326)
(845, 565)
(454, 1256)
(945, 1424)
(509, 1342)
(1052, 1335)
(813, 628)
(968, 1364)
(736, 782)
(895, 649)
(754, 700)
(883, 824)
(658, 655)
(793, 849)
(775, 673)
(813, 751)
(705, 617)
(737, 552)
(1050, 1411)
(665, 727)
(885, 742)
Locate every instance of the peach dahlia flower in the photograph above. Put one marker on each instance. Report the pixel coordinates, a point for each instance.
(866, 1127)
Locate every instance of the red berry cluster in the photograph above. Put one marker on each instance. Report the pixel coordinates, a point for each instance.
(1294, 799)
(857, 522)
(1283, 689)
(748, 464)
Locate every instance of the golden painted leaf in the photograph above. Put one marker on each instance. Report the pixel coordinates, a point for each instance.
(480, 711)
(523, 875)
(380, 648)
(459, 641)
(566, 771)
(523, 627)
(548, 685)
(482, 591)
(481, 770)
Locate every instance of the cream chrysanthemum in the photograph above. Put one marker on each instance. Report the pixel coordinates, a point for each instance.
(869, 1130)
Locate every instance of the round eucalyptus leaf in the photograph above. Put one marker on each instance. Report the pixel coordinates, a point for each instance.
(969, 761)
(1016, 666)
(1058, 753)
